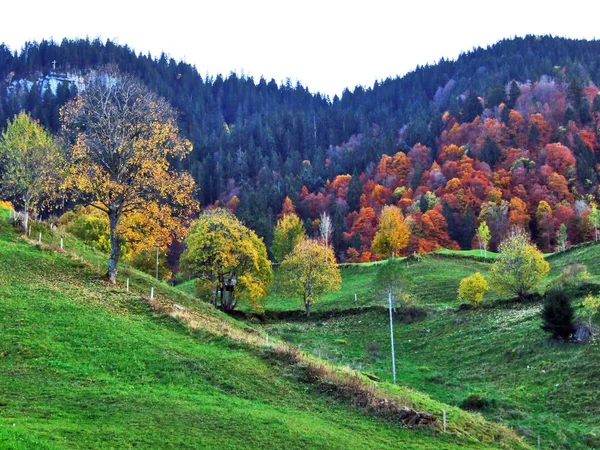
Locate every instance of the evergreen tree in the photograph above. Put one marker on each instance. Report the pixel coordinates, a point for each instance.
(558, 314)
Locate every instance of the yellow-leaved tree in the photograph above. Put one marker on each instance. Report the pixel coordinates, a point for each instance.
(473, 289)
(123, 137)
(392, 235)
(520, 266)
(288, 232)
(30, 163)
(228, 260)
(309, 271)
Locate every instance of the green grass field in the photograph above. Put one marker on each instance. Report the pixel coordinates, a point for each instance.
(88, 365)
(497, 352)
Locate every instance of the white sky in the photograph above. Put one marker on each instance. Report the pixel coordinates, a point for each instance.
(326, 45)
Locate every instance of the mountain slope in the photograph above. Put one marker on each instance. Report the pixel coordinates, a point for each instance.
(84, 364)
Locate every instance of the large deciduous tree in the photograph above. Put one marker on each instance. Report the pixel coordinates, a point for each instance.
(520, 266)
(228, 260)
(123, 138)
(392, 235)
(30, 161)
(309, 271)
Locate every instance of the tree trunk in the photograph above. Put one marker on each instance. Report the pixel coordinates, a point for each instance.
(307, 306)
(115, 247)
(25, 217)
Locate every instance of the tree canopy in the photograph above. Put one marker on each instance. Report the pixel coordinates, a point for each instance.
(309, 271)
(520, 266)
(31, 163)
(392, 235)
(228, 260)
(123, 138)
(288, 232)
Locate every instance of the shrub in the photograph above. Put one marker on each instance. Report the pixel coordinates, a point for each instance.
(476, 402)
(591, 305)
(574, 276)
(520, 266)
(557, 315)
(472, 289)
(6, 205)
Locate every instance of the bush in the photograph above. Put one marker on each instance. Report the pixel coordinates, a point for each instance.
(472, 289)
(558, 314)
(520, 266)
(476, 402)
(574, 276)
(6, 205)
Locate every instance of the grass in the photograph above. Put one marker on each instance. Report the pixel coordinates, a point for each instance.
(434, 280)
(496, 353)
(88, 365)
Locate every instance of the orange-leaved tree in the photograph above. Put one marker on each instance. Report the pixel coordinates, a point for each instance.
(392, 235)
(123, 137)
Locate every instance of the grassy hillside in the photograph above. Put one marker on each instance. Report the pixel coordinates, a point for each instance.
(87, 365)
(496, 355)
(434, 279)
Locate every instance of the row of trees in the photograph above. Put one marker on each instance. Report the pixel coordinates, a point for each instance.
(230, 263)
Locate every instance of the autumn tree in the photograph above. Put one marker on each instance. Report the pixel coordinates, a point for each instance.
(228, 260)
(591, 306)
(123, 139)
(520, 266)
(309, 271)
(392, 235)
(473, 288)
(288, 232)
(483, 236)
(325, 228)
(30, 163)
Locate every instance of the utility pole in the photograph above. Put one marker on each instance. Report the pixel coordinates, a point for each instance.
(392, 337)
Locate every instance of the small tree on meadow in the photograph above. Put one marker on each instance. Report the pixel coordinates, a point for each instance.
(520, 266)
(30, 163)
(558, 314)
(472, 289)
(484, 236)
(228, 260)
(388, 281)
(591, 305)
(309, 271)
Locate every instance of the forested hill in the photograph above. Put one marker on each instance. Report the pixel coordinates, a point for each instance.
(256, 142)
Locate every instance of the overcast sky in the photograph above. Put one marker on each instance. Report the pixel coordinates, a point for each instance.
(326, 45)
